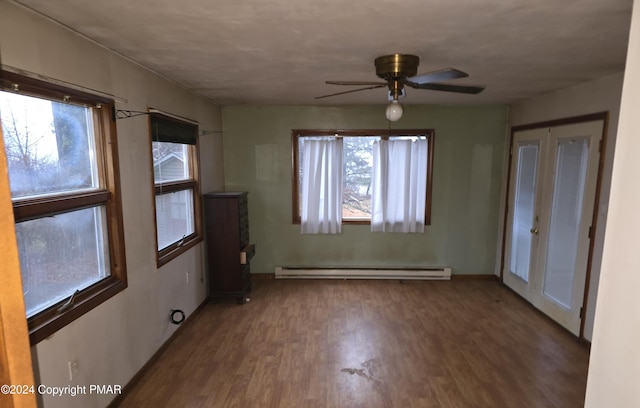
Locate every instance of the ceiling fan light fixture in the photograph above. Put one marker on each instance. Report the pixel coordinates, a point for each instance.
(394, 111)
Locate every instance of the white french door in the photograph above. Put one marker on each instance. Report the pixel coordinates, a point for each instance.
(551, 201)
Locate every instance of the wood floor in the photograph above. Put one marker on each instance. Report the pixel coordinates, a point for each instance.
(368, 344)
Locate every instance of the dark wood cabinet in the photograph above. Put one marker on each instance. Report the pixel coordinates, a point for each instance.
(229, 251)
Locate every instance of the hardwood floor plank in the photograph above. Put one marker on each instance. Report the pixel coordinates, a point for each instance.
(325, 344)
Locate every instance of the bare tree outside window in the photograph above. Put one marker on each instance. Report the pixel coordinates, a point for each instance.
(356, 195)
(47, 146)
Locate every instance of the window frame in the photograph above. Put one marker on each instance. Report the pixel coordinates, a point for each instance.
(45, 323)
(296, 134)
(167, 254)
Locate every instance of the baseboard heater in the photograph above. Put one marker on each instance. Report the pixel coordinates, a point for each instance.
(409, 273)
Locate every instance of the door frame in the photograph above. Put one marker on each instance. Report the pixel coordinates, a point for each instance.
(604, 117)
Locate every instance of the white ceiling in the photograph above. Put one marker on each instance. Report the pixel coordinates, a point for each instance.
(281, 51)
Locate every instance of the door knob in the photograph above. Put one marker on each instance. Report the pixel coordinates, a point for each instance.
(534, 231)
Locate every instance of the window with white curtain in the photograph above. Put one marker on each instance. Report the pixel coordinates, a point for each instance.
(399, 185)
(377, 177)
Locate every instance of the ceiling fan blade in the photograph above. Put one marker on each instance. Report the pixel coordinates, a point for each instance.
(353, 90)
(360, 83)
(438, 76)
(467, 89)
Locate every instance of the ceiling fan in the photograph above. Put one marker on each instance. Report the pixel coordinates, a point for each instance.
(399, 70)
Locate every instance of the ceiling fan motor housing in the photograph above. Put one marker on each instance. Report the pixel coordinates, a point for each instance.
(394, 68)
(397, 66)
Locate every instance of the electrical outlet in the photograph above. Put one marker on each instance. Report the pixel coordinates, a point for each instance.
(73, 369)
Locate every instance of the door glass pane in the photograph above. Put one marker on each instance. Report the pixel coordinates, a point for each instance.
(566, 213)
(61, 254)
(523, 211)
(174, 217)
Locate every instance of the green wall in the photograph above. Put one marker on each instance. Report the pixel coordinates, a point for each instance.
(468, 168)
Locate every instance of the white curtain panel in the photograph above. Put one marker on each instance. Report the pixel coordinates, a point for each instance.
(322, 187)
(399, 185)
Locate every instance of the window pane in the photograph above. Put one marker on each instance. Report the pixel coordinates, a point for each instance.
(50, 146)
(174, 217)
(61, 254)
(356, 196)
(170, 162)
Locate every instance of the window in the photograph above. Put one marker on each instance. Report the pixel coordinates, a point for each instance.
(175, 176)
(357, 168)
(61, 151)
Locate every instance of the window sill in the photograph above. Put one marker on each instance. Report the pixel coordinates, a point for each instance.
(48, 322)
(173, 251)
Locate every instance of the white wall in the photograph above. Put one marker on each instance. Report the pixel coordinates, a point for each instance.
(113, 341)
(614, 367)
(591, 97)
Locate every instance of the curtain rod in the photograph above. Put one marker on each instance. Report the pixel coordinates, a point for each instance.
(60, 82)
(126, 114)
